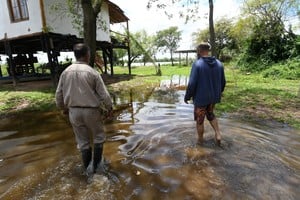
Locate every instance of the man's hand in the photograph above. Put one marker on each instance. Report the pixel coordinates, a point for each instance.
(109, 115)
(65, 111)
(186, 100)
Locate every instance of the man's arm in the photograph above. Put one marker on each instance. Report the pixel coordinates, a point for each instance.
(190, 90)
(103, 93)
(59, 98)
(223, 79)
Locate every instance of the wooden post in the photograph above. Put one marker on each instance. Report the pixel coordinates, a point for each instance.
(186, 58)
(52, 59)
(31, 63)
(111, 61)
(10, 63)
(179, 59)
(128, 49)
(1, 75)
(104, 60)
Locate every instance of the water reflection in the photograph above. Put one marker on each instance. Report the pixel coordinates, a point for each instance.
(151, 153)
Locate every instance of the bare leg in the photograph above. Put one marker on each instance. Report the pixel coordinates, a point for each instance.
(214, 124)
(200, 131)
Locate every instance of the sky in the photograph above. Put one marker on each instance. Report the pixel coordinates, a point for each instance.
(153, 20)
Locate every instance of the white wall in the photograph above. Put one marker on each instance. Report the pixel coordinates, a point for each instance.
(33, 25)
(58, 21)
(104, 35)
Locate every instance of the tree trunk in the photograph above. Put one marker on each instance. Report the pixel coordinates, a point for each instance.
(212, 36)
(171, 52)
(90, 25)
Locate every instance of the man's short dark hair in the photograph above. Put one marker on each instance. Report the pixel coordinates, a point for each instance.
(81, 50)
(204, 46)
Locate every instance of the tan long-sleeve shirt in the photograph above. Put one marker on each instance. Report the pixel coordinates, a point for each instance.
(82, 86)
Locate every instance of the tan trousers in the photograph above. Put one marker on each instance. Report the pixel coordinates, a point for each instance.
(87, 126)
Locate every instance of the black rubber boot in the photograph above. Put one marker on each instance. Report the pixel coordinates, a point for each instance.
(86, 155)
(98, 149)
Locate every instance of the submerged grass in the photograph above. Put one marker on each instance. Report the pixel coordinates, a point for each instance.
(249, 96)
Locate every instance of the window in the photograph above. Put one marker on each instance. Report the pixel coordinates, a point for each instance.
(18, 10)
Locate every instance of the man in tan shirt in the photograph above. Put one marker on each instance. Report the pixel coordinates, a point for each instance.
(80, 92)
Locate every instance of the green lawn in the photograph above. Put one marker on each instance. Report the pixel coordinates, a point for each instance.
(248, 96)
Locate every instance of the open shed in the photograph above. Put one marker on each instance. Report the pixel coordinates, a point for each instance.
(186, 52)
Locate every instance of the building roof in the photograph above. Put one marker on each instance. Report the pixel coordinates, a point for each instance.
(186, 51)
(116, 14)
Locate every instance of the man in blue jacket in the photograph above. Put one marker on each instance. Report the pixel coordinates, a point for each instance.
(205, 87)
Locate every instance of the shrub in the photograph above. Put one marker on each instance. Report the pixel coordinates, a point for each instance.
(287, 70)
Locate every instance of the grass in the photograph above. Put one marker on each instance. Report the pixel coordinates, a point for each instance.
(150, 70)
(16, 100)
(3, 69)
(249, 96)
(266, 98)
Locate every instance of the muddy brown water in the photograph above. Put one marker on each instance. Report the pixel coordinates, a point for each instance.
(150, 153)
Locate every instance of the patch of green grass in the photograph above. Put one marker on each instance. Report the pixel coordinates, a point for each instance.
(13, 101)
(248, 95)
(261, 97)
(150, 70)
(245, 94)
(3, 69)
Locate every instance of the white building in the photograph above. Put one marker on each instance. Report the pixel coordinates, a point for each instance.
(29, 26)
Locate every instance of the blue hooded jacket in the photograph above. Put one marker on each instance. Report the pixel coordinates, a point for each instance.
(206, 83)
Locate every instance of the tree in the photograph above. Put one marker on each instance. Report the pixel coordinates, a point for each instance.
(148, 46)
(119, 54)
(85, 18)
(225, 40)
(271, 10)
(137, 45)
(212, 35)
(91, 9)
(189, 12)
(168, 39)
(241, 31)
(269, 41)
(142, 45)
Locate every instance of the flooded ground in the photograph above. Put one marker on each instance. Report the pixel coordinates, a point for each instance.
(151, 153)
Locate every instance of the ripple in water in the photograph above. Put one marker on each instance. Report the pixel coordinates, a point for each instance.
(152, 153)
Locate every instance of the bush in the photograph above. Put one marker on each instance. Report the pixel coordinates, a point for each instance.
(287, 70)
(249, 63)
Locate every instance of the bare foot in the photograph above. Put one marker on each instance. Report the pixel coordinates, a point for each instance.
(218, 140)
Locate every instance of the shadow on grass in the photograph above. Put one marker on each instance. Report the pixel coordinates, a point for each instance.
(47, 86)
(108, 79)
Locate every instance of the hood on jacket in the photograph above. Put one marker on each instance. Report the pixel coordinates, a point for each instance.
(209, 60)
